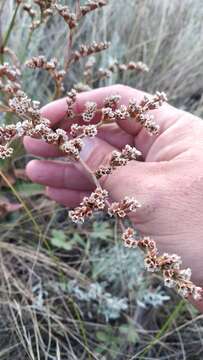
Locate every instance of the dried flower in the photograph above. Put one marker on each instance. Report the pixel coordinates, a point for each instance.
(33, 124)
(84, 130)
(96, 201)
(112, 101)
(72, 148)
(92, 5)
(69, 17)
(11, 72)
(22, 105)
(7, 132)
(139, 112)
(90, 111)
(71, 99)
(150, 263)
(5, 151)
(31, 12)
(102, 171)
(148, 245)
(127, 154)
(129, 239)
(124, 207)
(86, 50)
(115, 67)
(58, 75)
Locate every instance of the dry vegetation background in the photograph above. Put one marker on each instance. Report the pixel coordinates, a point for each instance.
(75, 293)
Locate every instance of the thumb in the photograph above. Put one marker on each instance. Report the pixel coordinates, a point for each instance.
(142, 180)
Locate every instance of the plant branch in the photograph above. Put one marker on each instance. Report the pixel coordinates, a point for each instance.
(5, 41)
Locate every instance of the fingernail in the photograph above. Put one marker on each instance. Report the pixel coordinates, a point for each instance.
(88, 148)
(33, 169)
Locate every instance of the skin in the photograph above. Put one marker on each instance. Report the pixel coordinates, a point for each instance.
(168, 183)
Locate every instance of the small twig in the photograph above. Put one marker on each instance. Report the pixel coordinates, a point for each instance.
(77, 8)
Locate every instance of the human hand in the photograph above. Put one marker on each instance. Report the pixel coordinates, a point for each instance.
(168, 183)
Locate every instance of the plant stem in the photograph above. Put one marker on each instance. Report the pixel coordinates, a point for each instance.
(68, 50)
(92, 177)
(27, 210)
(98, 185)
(5, 41)
(77, 8)
(90, 173)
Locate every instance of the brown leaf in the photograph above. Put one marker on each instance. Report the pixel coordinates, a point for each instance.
(20, 174)
(7, 207)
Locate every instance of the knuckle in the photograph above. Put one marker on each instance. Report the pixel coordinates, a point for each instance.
(120, 88)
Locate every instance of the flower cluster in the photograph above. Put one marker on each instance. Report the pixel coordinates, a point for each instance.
(128, 238)
(12, 73)
(46, 10)
(83, 130)
(138, 112)
(128, 153)
(70, 101)
(37, 127)
(9, 78)
(86, 50)
(115, 67)
(33, 124)
(69, 17)
(5, 151)
(96, 201)
(92, 75)
(102, 171)
(72, 18)
(51, 66)
(124, 207)
(90, 111)
(72, 148)
(112, 101)
(23, 106)
(45, 4)
(31, 12)
(92, 5)
(168, 264)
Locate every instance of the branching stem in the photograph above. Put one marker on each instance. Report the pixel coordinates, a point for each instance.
(5, 41)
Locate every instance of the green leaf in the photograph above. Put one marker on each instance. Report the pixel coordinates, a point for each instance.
(133, 336)
(130, 332)
(99, 350)
(101, 231)
(102, 336)
(124, 329)
(77, 239)
(58, 240)
(28, 189)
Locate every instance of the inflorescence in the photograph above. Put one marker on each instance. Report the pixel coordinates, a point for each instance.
(33, 124)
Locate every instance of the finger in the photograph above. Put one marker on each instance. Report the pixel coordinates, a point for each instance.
(115, 136)
(58, 175)
(69, 198)
(40, 148)
(71, 176)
